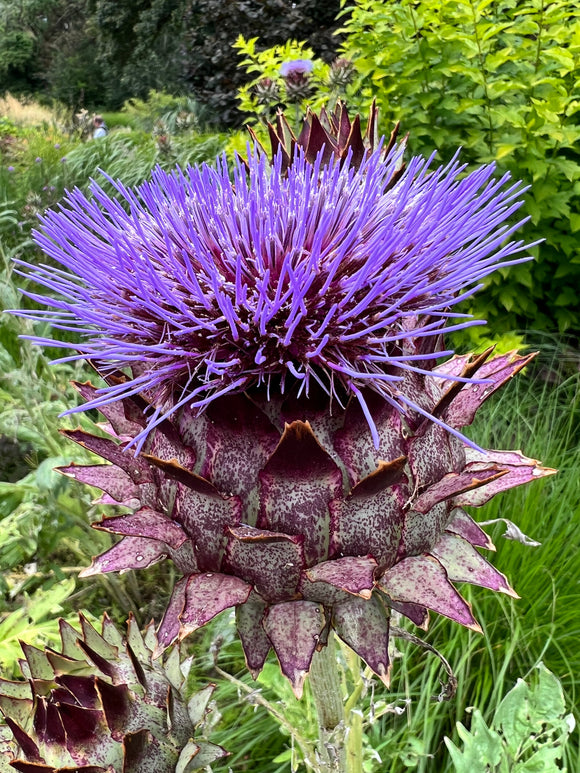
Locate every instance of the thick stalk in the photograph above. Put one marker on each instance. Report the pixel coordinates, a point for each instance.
(353, 715)
(327, 692)
(256, 697)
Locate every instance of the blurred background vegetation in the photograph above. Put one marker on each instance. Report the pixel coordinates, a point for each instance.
(176, 81)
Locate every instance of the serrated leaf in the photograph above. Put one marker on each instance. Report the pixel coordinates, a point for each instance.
(482, 746)
(547, 697)
(512, 716)
(542, 761)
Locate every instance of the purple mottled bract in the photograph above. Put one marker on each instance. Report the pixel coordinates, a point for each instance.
(279, 421)
(296, 66)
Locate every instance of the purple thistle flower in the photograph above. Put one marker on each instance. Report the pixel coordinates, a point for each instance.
(220, 314)
(38, 160)
(202, 288)
(10, 169)
(295, 66)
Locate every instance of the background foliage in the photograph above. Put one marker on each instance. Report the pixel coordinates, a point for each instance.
(100, 53)
(501, 81)
(499, 78)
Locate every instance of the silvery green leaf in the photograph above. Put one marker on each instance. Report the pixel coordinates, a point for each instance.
(482, 747)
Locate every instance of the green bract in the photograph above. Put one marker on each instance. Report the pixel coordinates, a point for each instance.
(102, 705)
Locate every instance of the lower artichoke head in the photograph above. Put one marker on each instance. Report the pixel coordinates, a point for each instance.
(102, 705)
(293, 515)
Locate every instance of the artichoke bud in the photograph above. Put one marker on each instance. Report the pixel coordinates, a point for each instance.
(341, 74)
(102, 704)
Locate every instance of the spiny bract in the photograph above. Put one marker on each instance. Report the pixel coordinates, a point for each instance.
(102, 705)
(290, 513)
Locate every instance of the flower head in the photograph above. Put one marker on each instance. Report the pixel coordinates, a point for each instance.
(296, 66)
(38, 160)
(272, 324)
(10, 169)
(296, 76)
(203, 288)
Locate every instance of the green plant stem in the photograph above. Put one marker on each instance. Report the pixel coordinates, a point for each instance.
(353, 714)
(327, 693)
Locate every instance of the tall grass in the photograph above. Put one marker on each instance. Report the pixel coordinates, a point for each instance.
(25, 112)
(538, 412)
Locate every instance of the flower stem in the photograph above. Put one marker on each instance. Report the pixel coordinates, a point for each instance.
(327, 692)
(353, 714)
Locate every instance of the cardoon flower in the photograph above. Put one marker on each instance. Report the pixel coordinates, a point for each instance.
(296, 77)
(270, 350)
(294, 66)
(102, 705)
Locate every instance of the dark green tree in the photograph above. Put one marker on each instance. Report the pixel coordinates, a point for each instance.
(48, 47)
(139, 47)
(186, 45)
(99, 53)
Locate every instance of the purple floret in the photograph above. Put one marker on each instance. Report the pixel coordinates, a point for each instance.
(196, 288)
(301, 66)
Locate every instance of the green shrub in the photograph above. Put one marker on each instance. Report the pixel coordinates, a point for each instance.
(266, 63)
(161, 106)
(500, 80)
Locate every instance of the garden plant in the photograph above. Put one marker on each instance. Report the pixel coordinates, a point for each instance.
(283, 421)
(230, 407)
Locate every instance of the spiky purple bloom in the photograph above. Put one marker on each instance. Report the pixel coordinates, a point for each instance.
(272, 347)
(207, 288)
